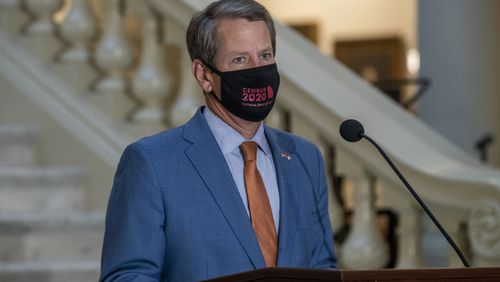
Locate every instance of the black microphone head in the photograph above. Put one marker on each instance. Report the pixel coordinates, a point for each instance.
(351, 130)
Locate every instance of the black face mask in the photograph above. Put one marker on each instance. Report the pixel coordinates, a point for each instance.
(249, 93)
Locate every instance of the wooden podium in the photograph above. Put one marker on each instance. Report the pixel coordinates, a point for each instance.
(489, 274)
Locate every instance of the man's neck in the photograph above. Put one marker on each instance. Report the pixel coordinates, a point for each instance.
(246, 128)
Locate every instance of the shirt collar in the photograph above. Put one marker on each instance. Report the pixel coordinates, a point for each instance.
(229, 139)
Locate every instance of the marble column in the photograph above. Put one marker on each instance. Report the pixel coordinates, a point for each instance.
(459, 46)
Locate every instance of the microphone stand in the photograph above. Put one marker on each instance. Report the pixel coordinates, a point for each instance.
(419, 200)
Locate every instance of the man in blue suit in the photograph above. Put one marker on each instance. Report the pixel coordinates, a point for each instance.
(191, 203)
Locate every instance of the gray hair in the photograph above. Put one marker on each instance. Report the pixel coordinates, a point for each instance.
(201, 36)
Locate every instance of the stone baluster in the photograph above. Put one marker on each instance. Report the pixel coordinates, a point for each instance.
(335, 210)
(77, 28)
(39, 33)
(11, 16)
(409, 229)
(364, 247)
(42, 11)
(113, 53)
(409, 247)
(190, 95)
(151, 83)
(484, 233)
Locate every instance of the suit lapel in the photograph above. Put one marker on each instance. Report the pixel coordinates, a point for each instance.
(284, 162)
(211, 165)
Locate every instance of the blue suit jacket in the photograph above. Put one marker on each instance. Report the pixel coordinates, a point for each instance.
(175, 214)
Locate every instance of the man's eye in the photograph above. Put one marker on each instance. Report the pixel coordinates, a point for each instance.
(266, 56)
(239, 60)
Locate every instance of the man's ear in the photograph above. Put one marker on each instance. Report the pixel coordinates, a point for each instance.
(203, 75)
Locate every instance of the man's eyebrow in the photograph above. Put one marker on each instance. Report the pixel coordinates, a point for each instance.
(268, 49)
(239, 53)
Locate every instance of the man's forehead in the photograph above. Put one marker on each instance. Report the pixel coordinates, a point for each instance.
(232, 23)
(241, 37)
(240, 27)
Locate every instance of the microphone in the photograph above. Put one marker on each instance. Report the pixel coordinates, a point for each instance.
(352, 130)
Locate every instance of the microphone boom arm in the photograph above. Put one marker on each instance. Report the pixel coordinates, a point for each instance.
(419, 200)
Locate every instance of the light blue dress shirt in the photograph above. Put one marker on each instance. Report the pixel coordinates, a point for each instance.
(229, 141)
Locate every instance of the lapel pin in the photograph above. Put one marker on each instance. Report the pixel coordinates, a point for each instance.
(285, 155)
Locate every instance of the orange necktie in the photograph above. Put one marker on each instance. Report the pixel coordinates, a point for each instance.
(261, 214)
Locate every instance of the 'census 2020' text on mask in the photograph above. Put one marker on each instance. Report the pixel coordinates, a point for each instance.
(249, 93)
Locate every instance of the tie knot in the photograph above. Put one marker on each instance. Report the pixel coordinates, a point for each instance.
(249, 150)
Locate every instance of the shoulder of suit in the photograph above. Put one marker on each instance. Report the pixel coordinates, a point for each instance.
(160, 141)
(299, 142)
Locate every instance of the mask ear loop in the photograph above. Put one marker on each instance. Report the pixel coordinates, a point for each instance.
(214, 70)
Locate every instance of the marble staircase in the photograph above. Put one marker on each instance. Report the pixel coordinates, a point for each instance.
(45, 232)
